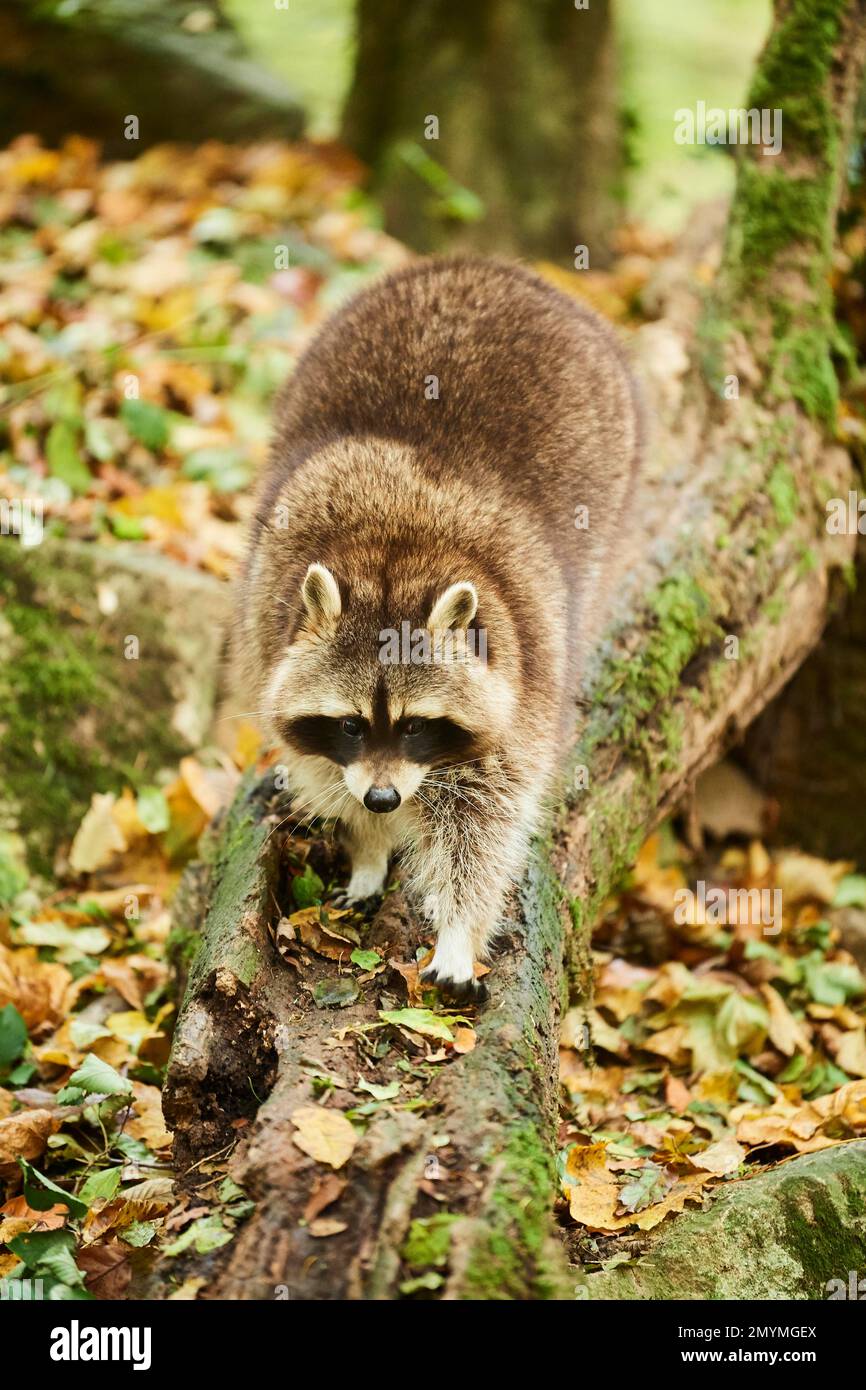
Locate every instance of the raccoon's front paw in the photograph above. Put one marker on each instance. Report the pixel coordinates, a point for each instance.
(362, 886)
(469, 991)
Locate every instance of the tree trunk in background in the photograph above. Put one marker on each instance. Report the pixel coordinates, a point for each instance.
(83, 69)
(729, 540)
(809, 748)
(525, 96)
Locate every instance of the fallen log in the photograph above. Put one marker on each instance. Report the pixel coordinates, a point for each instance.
(724, 592)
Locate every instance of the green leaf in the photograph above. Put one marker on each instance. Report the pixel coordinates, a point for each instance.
(74, 940)
(335, 993)
(146, 422)
(430, 1280)
(153, 810)
(429, 1240)
(851, 891)
(139, 1233)
(63, 457)
(388, 1092)
(831, 982)
(127, 528)
(368, 960)
(13, 1035)
(50, 1252)
(224, 469)
(644, 1189)
(105, 1184)
(307, 888)
(204, 1235)
(420, 1021)
(97, 1078)
(41, 1193)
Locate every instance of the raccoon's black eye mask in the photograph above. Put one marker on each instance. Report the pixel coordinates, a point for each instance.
(429, 741)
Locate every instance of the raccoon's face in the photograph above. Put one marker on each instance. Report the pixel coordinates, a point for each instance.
(387, 706)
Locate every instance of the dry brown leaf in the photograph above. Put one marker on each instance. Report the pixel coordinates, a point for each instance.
(106, 1269)
(851, 1052)
(327, 1226)
(326, 1135)
(325, 1191)
(591, 1189)
(671, 1043)
(116, 1213)
(98, 839)
(464, 1039)
(785, 1031)
(324, 940)
(43, 992)
(411, 972)
(721, 1158)
(677, 1094)
(134, 977)
(24, 1135)
(147, 1124)
(802, 877)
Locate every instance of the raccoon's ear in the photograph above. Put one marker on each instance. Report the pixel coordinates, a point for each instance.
(321, 595)
(456, 607)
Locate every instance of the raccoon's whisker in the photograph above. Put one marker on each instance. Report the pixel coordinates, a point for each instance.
(318, 807)
(245, 714)
(317, 811)
(328, 809)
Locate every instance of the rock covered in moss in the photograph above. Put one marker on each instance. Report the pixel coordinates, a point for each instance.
(111, 665)
(786, 1233)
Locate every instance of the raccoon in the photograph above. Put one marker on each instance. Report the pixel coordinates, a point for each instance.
(433, 539)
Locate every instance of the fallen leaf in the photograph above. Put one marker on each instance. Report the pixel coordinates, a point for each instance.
(324, 1192)
(43, 992)
(147, 1123)
(24, 1135)
(785, 1032)
(464, 1039)
(591, 1188)
(326, 1135)
(99, 839)
(327, 1226)
(106, 1268)
(721, 1158)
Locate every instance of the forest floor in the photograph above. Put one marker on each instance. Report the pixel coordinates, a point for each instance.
(144, 326)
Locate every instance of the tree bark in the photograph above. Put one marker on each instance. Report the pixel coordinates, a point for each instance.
(724, 592)
(525, 97)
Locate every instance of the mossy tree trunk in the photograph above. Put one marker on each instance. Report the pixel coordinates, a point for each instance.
(724, 594)
(526, 106)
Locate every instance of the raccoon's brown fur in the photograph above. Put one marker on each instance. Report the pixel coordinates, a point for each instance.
(431, 456)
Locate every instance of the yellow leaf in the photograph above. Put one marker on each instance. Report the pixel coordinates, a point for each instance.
(785, 1032)
(147, 1124)
(802, 877)
(99, 838)
(591, 1189)
(851, 1052)
(326, 1135)
(725, 1156)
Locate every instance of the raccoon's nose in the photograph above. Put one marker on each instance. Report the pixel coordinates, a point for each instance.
(382, 799)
